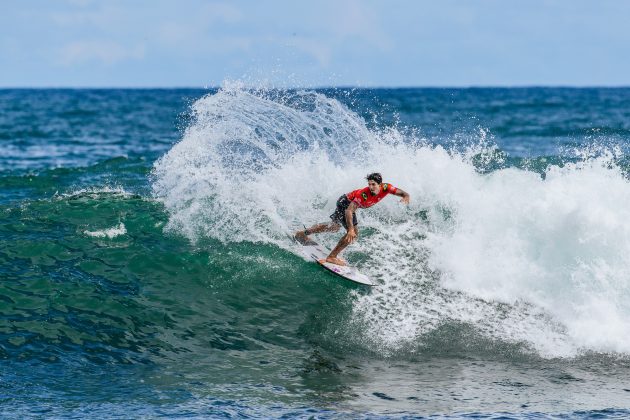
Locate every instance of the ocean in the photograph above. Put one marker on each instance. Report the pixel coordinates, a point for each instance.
(146, 271)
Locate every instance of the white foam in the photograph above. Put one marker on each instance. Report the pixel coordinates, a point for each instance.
(518, 257)
(107, 233)
(562, 244)
(94, 192)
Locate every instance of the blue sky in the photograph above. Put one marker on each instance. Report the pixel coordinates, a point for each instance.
(159, 43)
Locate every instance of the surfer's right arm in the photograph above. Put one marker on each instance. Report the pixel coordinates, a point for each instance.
(352, 233)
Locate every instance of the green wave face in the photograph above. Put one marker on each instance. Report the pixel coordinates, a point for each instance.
(91, 278)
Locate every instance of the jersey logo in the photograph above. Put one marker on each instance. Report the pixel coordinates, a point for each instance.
(364, 195)
(385, 187)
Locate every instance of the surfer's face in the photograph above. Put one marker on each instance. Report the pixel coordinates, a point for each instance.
(374, 187)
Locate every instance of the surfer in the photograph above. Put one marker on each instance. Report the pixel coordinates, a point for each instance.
(345, 215)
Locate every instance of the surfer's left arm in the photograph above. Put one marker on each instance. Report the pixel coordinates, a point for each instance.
(405, 196)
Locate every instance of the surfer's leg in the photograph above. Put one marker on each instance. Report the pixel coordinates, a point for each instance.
(302, 235)
(341, 245)
(323, 227)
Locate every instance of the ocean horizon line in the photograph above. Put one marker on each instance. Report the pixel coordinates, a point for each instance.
(322, 87)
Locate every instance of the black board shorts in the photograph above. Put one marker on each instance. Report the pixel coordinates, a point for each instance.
(339, 216)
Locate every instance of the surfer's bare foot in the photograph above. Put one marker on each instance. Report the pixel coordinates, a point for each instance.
(334, 260)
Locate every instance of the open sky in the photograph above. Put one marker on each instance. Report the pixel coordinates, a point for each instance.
(195, 43)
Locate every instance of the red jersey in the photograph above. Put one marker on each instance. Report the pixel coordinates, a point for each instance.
(364, 198)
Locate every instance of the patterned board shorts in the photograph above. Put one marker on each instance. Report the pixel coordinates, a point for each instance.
(339, 216)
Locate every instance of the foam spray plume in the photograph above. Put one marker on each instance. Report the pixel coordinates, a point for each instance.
(513, 257)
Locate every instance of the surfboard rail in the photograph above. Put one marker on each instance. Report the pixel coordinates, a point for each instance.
(316, 252)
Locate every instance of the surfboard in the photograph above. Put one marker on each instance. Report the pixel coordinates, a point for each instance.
(315, 251)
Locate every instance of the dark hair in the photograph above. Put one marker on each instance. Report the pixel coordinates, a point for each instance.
(376, 177)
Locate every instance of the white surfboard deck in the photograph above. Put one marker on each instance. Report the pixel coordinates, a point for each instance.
(315, 251)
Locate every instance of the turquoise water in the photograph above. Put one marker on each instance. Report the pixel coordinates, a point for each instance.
(146, 272)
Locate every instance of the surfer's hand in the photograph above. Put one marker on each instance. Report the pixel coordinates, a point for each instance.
(405, 199)
(351, 236)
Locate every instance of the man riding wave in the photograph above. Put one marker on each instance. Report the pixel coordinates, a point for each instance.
(345, 215)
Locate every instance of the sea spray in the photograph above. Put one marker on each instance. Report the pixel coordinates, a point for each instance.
(250, 161)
